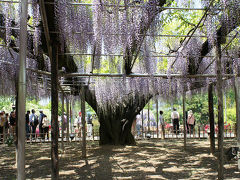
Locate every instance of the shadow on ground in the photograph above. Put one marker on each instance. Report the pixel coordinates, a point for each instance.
(149, 159)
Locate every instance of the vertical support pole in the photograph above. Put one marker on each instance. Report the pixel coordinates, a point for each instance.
(211, 118)
(184, 118)
(22, 92)
(199, 132)
(236, 90)
(71, 113)
(83, 122)
(142, 124)
(220, 111)
(148, 117)
(67, 103)
(54, 111)
(157, 117)
(62, 129)
(225, 106)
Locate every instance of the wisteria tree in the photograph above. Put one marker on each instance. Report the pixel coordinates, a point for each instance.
(129, 28)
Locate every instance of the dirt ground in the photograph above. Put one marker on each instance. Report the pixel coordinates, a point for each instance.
(150, 159)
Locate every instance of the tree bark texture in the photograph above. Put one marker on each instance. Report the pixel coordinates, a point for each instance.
(116, 122)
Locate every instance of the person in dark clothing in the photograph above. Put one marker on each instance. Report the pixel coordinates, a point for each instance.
(89, 125)
(2, 121)
(13, 122)
(40, 120)
(186, 113)
(33, 122)
(175, 121)
(7, 123)
(27, 125)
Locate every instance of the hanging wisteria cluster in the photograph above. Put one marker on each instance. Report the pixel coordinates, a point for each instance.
(36, 26)
(7, 72)
(113, 29)
(127, 28)
(107, 27)
(9, 50)
(8, 76)
(116, 91)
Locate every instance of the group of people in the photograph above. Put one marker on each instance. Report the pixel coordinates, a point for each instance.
(190, 121)
(33, 121)
(175, 117)
(139, 124)
(78, 124)
(7, 123)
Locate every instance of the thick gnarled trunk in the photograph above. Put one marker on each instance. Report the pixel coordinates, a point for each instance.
(115, 128)
(116, 120)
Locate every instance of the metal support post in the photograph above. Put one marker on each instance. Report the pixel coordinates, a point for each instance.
(237, 92)
(157, 118)
(67, 104)
(22, 92)
(62, 127)
(142, 124)
(83, 122)
(220, 112)
(211, 118)
(184, 118)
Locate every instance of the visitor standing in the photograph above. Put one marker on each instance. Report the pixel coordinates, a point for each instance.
(162, 124)
(28, 125)
(34, 123)
(75, 124)
(190, 121)
(138, 124)
(79, 125)
(175, 121)
(6, 123)
(40, 121)
(89, 125)
(45, 126)
(2, 123)
(12, 120)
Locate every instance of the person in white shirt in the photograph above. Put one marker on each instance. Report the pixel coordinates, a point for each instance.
(190, 121)
(138, 124)
(175, 121)
(162, 124)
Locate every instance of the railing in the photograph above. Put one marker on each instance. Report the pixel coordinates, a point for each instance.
(198, 132)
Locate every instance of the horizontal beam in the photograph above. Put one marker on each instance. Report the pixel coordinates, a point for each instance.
(115, 55)
(110, 5)
(134, 75)
(116, 34)
(120, 34)
(154, 35)
(147, 75)
(121, 55)
(39, 71)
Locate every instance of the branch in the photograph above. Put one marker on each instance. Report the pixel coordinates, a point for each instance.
(153, 8)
